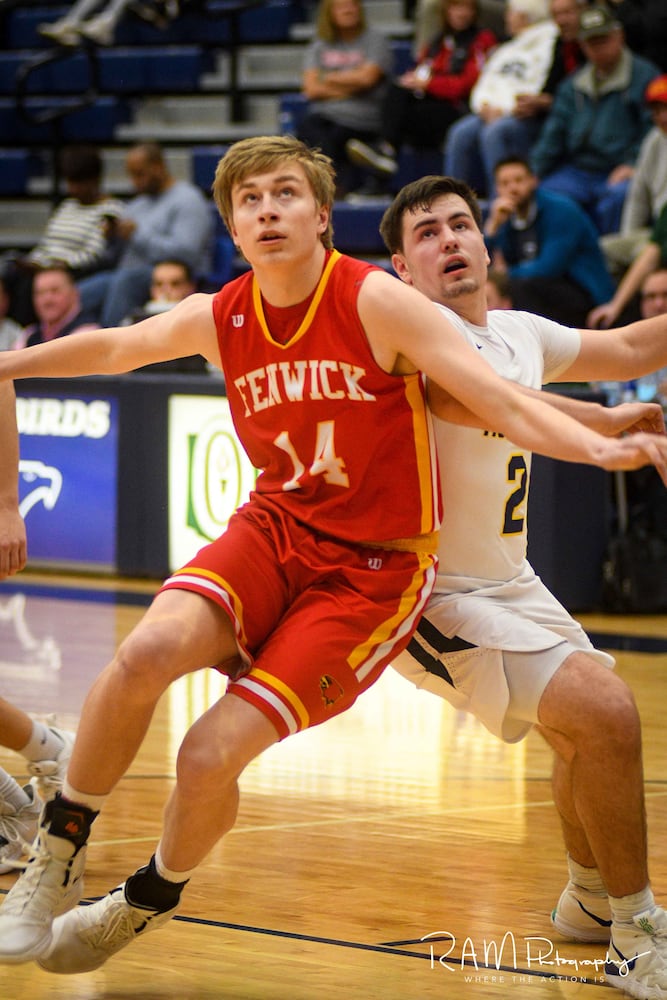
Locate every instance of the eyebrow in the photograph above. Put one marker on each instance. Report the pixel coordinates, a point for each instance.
(431, 219)
(252, 182)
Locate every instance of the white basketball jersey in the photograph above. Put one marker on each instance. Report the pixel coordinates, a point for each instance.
(484, 476)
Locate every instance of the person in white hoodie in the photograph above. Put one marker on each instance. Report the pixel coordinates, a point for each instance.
(496, 127)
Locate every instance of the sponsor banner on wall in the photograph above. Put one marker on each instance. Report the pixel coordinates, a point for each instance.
(68, 477)
(210, 475)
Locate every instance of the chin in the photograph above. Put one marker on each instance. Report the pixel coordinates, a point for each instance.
(463, 287)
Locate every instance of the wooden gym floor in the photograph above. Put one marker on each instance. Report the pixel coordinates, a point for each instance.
(377, 857)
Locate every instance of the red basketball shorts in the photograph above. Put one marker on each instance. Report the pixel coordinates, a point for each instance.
(317, 620)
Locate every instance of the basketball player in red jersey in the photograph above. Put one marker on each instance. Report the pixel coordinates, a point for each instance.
(320, 579)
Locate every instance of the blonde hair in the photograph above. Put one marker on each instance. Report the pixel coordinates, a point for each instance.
(261, 154)
(325, 27)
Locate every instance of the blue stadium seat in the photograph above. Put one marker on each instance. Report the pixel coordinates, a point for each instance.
(291, 110)
(402, 52)
(22, 24)
(357, 227)
(151, 70)
(17, 166)
(414, 163)
(262, 22)
(94, 123)
(204, 160)
(68, 75)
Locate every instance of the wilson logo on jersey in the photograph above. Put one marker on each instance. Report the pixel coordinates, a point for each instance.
(238, 319)
(294, 382)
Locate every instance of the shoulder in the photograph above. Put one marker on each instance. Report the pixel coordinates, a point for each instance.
(484, 39)
(642, 67)
(559, 205)
(187, 191)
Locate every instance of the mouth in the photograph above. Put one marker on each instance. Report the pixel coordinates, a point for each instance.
(455, 264)
(270, 237)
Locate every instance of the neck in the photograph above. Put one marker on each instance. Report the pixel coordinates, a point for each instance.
(471, 308)
(287, 283)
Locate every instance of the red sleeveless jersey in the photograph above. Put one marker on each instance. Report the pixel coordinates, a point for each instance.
(340, 444)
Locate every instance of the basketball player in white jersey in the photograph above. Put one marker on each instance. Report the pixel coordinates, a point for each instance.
(494, 641)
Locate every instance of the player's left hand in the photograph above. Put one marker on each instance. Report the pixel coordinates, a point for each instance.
(631, 418)
(13, 551)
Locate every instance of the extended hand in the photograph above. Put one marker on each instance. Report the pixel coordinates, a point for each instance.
(638, 450)
(635, 417)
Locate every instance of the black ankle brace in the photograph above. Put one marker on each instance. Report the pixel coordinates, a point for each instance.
(147, 888)
(68, 820)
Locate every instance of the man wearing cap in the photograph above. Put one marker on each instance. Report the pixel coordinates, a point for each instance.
(648, 187)
(591, 138)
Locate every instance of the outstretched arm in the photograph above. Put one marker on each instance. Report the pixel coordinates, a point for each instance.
(12, 528)
(186, 329)
(608, 420)
(408, 332)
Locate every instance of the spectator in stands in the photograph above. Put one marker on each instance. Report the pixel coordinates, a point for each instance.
(590, 140)
(101, 28)
(653, 302)
(345, 80)
(648, 187)
(645, 24)
(422, 103)
(429, 21)
(10, 330)
(548, 245)
(166, 219)
(75, 233)
(510, 98)
(172, 281)
(498, 293)
(651, 258)
(653, 294)
(58, 308)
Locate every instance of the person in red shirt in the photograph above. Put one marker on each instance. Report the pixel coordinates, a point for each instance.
(422, 103)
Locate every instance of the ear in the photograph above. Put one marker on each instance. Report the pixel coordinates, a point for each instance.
(324, 214)
(399, 265)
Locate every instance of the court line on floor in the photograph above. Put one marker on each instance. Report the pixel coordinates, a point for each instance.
(395, 950)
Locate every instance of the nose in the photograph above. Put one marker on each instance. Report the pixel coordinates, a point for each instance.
(448, 238)
(267, 206)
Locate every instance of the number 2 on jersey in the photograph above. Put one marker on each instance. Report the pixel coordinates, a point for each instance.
(515, 518)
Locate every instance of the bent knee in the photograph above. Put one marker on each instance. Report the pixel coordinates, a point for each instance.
(202, 762)
(586, 699)
(145, 655)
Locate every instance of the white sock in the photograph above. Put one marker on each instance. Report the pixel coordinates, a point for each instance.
(94, 802)
(587, 878)
(624, 908)
(166, 873)
(44, 743)
(11, 792)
